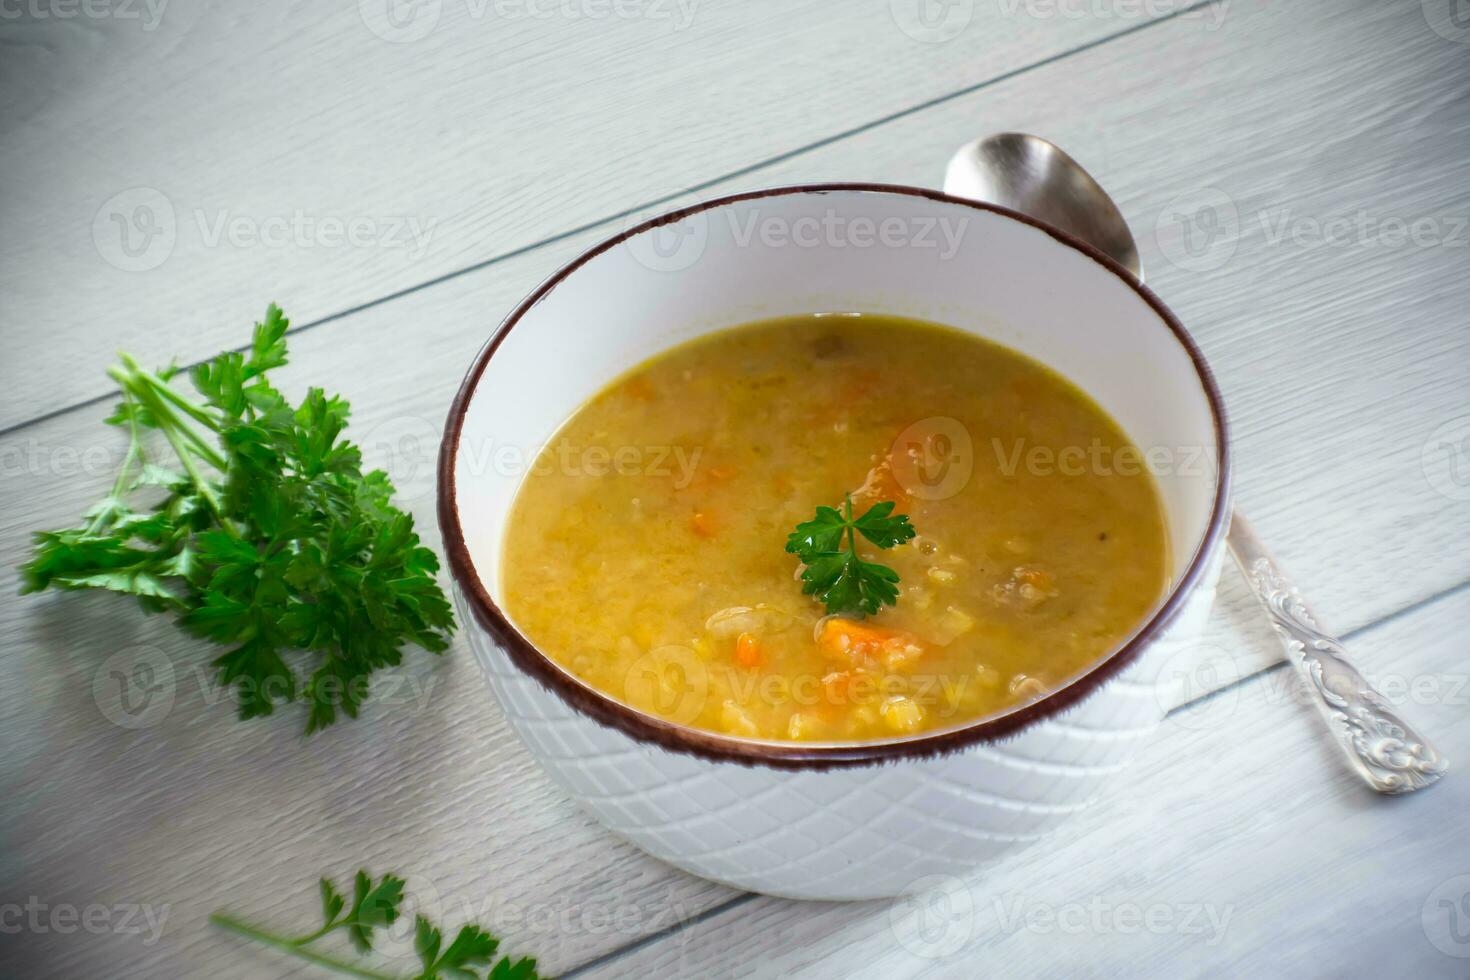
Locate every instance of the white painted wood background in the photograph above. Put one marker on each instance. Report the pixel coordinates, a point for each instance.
(516, 141)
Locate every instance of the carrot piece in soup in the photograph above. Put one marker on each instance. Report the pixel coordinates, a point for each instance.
(748, 650)
(703, 524)
(1034, 576)
(883, 484)
(847, 638)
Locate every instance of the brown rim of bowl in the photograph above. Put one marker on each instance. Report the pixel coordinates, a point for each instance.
(796, 755)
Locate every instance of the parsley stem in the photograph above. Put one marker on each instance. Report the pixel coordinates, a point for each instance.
(320, 932)
(204, 450)
(173, 428)
(152, 390)
(200, 483)
(288, 946)
(851, 533)
(134, 453)
(165, 389)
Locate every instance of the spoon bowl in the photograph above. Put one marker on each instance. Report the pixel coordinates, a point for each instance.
(1034, 176)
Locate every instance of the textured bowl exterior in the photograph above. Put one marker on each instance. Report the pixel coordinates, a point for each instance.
(853, 833)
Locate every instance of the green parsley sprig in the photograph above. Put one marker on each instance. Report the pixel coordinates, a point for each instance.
(836, 575)
(376, 906)
(268, 538)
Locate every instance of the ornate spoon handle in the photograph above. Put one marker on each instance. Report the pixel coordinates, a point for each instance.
(1380, 746)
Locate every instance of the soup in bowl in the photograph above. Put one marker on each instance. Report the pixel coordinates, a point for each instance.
(664, 506)
(772, 490)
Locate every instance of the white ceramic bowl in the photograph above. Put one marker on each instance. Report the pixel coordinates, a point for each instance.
(813, 820)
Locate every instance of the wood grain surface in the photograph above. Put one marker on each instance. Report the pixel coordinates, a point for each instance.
(335, 157)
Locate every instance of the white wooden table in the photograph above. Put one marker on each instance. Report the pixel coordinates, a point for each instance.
(1299, 177)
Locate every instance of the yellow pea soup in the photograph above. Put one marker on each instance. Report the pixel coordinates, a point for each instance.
(645, 550)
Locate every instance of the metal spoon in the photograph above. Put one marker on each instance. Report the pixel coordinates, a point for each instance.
(1031, 175)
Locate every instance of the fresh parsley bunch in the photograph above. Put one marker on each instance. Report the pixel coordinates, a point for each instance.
(268, 538)
(834, 573)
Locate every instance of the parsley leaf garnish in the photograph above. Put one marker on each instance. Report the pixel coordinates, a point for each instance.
(375, 905)
(837, 576)
(269, 538)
